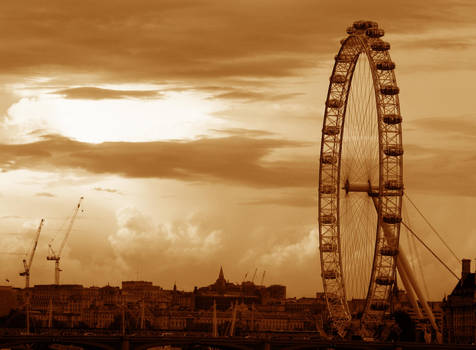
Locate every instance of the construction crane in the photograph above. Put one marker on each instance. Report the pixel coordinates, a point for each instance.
(254, 275)
(27, 264)
(246, 274)
(57, 256)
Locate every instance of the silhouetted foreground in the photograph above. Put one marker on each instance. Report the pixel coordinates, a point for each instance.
(223, 309)
(189, 341)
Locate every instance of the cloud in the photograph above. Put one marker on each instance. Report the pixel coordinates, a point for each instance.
(11, 217)
(44, 194)
(180, 115)
(306, 199)
(282, 260)
(110, 190)
(437, 43)
(254, 96)
(138, 241)
(191, 249)
(447, 171)
(94, 93)
(299, 252)
(188, 40)
(464, 126)
(234, 159)
(20, 242)
(244, 132)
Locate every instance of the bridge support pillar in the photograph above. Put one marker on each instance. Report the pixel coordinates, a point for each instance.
(125, 345)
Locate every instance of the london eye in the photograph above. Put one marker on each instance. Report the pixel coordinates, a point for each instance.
(360, 179)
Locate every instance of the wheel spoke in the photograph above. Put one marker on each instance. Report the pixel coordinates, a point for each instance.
(361, 144)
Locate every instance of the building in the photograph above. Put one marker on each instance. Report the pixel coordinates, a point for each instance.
(459, 308)
(401, 302)
(240, 308)
(225, 294)
(8, 299)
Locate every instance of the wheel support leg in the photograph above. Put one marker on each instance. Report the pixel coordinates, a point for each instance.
(404, 269)
(402, 263)
(409, 289)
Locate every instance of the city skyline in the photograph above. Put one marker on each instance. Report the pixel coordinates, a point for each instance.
(193, 132)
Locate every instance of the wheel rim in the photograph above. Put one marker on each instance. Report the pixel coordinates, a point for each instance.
(360, 167)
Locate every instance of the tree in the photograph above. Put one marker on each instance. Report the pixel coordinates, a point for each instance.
(406, 325)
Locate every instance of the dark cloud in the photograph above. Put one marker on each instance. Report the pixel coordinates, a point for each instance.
(155, 41)
(233, 159)
(94, 93)
(44, 194)
(241, 158)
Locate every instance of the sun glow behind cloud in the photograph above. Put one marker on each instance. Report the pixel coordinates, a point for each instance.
(176, 115)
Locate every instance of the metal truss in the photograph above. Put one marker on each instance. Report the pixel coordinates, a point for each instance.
(364, 38)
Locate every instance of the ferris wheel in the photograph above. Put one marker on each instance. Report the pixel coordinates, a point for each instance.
(360, 179)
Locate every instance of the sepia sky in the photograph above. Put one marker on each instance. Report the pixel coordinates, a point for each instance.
(192, 128)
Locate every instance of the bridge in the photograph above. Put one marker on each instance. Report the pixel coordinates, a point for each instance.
(132, 342)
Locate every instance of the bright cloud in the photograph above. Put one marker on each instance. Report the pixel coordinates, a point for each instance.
(139, 241)
(176, 116)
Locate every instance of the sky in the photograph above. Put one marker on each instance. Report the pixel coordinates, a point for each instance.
(192, 128)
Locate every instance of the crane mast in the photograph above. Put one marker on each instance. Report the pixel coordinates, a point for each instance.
(27, 264)
(254, 275)
(57, 256)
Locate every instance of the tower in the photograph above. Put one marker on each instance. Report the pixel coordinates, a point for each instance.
(220, 282)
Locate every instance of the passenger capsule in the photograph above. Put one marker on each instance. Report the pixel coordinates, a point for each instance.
(393, 185)
(380, 45)
(343, 58)
(362, 25)
(385, 65)
(328, 247)
(329, 275)
(392, 218)
(350, 30)
(389, 90)
(372, 24)
(328, 159)
(384, 280)
(338, 79)
(375, 32)
(392, 119)
(333, 103)
(327, 189)
(393, 150)
(379, 306)
(388, 251)
(331, 130)
(328, 219)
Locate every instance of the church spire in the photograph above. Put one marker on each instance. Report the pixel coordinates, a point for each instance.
(220, 284)
(221, 276)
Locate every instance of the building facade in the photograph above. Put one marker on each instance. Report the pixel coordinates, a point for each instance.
(460, 308)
